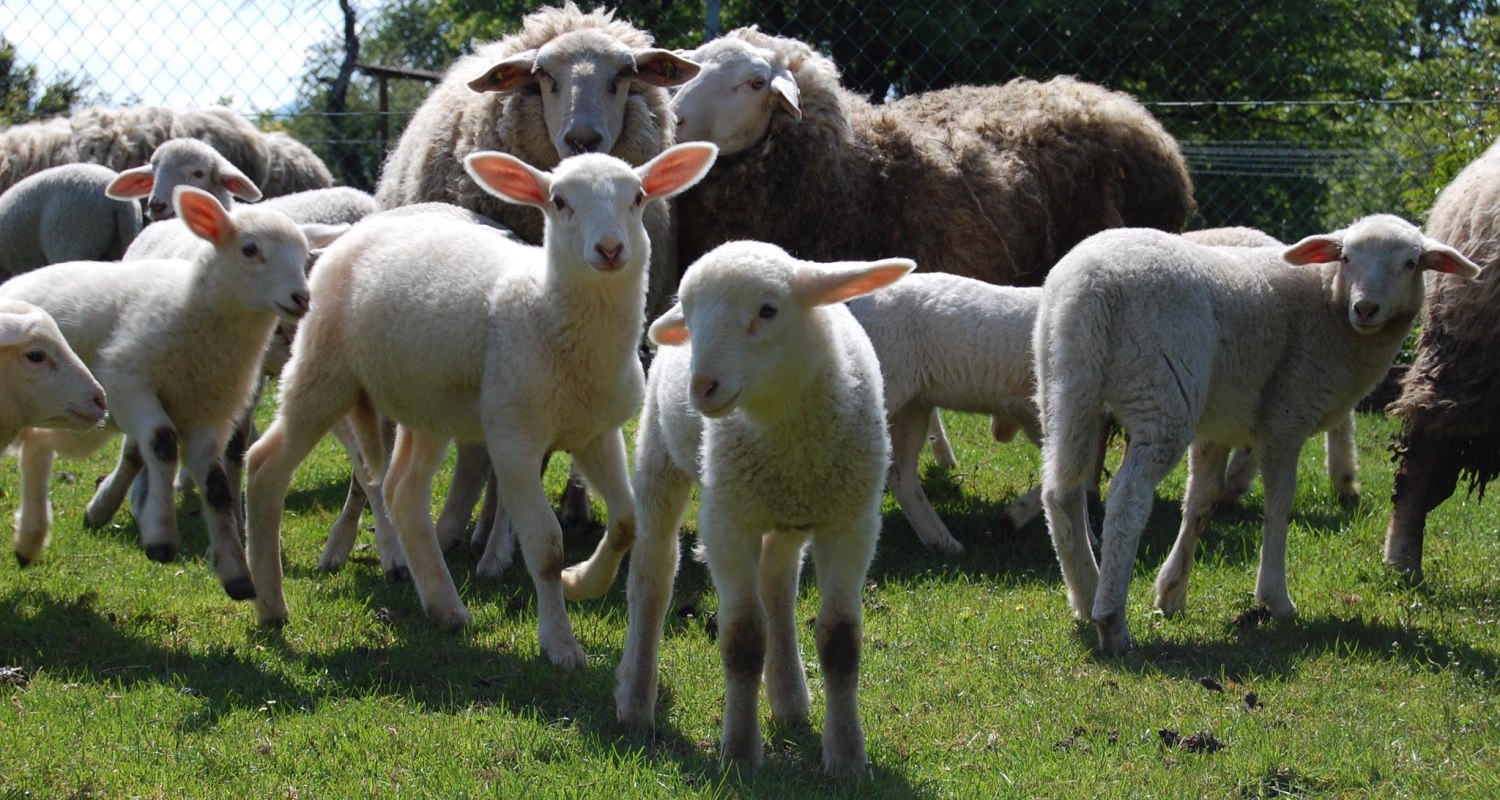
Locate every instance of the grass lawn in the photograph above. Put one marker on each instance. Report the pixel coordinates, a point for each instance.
(143, 679)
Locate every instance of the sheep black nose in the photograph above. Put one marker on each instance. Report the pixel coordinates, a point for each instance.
(583, 140)
(159, 210)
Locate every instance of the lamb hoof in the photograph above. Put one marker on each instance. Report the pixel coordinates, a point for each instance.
(1114, 636)
(164, 553)
(845, 769)
(241, 588)
(567, 657)
(22, 561)
(398, 575)
(1349, 500)
(450, 621)
(93, 522)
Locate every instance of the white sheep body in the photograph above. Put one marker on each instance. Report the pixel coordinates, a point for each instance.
(1214, 348)
(778, 415)
(62, 214)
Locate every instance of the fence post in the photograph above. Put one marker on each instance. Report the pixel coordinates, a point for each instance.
(711, 20)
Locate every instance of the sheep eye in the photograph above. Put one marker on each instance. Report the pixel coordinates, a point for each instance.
(758, 83)
(768, 311)
(197, 173)
(36, 356)
(1411, 264)
(640, 197)
(560, 204)
(250, 250)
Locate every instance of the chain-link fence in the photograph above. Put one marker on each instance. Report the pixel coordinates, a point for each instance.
(1294, 116)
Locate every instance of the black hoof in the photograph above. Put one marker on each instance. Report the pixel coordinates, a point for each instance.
(240, 589)
(22, 561)
(165, 553)
(90, 524)
(398, 575)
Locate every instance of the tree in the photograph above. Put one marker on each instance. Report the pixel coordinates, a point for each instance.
(19, 100)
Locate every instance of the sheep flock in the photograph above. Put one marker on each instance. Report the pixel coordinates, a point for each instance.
(571, 191)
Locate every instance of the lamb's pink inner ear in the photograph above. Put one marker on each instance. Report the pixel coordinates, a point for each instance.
(241, 187)
(664, 68)
(1314, 250)
(670, 328)
(508, 75)
(131, 184)
(203, 215)
(508, 177)
(1442, 258)
(677, 168)
(837, 283)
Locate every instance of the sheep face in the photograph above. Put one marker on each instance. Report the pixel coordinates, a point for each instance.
(261, 255)
(752, 313)
(585, 79)
(1380, 260)
(46, 385)
(182, 162)
(594, 204)
(731, 102)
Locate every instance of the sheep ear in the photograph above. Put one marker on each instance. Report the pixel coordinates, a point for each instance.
(509, 178)
(132, 184)
(235, 182)
(676, 169)
(670, 328)
(1315, 250)
(321, 235)
(664, 68)
(1440, 257)
(784, 86)
(203, 215)
(508, 75)
(821, 284)
(14, 328)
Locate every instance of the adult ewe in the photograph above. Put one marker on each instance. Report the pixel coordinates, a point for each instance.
(1449, 427)
(1213, 348)
(989, 182)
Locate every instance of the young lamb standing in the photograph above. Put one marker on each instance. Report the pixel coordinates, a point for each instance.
(177, 344)
(62, 214)
(1208, 348)
(775, 409)
(530, 349)
(43, 383)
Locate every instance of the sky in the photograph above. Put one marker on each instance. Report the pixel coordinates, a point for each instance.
(179, 53)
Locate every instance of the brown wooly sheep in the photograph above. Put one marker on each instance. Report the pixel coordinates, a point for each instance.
(989, 182)
(1448, 398)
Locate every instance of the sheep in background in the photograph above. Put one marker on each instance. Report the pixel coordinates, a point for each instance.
(775, 409)
(1011, 176)
(62, 214)
(44, 384)
(292, 167)
(182, 162)
(177, 344)
(1449, 428)
(530, 349)
(1208, 348)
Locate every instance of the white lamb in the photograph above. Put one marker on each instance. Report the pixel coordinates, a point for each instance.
(43, 383)
(453, 330)
(62, 214)
(776, 411)
(946, 341)
(182, 162)
(177, 344)
(1211, 348)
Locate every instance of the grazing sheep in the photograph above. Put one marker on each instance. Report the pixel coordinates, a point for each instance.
(45, 384)
(950, 342)
(567, 82)
(62, 214)
(1449, 428)
(775, 410)
(177, 344)
(1011, 176)
(529, 349)
(182, 162)
(292, 167)
(1212, 348)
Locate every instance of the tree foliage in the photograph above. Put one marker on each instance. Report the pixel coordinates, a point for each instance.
(23, 100)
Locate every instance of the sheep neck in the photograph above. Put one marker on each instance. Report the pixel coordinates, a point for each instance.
(598, 315)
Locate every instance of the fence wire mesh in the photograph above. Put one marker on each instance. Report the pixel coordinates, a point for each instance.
(1294, 116)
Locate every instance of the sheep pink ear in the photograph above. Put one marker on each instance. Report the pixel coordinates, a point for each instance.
(821, 284)
(131, 184)
(676, 169)
(784, 86)
(1315, 250)
(237, 184)
(508, 75)
(202, 214)
(1439, 257)
(670, 328)
(509, 178)
(664, 68)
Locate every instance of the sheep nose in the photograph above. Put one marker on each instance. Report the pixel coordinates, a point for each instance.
(704, 389)
(583, 140)
(680, 120)
(99, 402)
(159, 210)
(610, 251)
(1366, 309)
(301, 301)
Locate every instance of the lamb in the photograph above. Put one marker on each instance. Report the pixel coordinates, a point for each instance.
(1448, 423)
(62, 214)
(1210, 348)
(568, 82)
(1012, 176)
(177, 344)
(182, 162)
(951, 342)
(292, 167)
(45, 384)
(530, 349)
(775, 409)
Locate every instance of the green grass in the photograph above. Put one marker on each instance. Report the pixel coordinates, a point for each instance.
(145, 680)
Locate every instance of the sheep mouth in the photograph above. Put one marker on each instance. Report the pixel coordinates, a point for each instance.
(83, 419)
(291, 312)
(717, 407)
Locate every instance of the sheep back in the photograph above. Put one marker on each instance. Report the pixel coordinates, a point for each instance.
(292, 167)
(62, 214)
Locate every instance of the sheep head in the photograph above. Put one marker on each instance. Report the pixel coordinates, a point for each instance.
(260, 255)
(47, 385)
(738, 89)
(182, 162)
